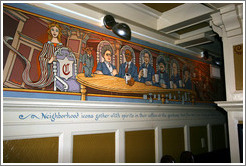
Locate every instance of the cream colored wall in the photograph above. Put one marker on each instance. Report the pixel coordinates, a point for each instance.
(228, 23)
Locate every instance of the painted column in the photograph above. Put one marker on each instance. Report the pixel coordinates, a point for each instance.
(117, 54)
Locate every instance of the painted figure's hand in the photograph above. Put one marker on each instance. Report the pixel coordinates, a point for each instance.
(140, 74)
(148, 83)
(153, 79)
(174, 86)
(164, 86)
(51, 59)
(114, 72)
(98, 72)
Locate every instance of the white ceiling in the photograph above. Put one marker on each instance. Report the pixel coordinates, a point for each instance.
(184, 28)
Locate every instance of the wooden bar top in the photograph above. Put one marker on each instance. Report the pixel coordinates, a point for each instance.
(116, 84)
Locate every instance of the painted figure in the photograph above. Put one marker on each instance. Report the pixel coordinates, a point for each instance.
(163, 76)
(106, 67)
(146, 71)
(129, 67)
(175, 78)
(186, 81)
(49, 48)
(87, 61)
(46, 57)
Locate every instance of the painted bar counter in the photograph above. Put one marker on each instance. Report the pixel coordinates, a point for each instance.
(47, 130)
(118, 85)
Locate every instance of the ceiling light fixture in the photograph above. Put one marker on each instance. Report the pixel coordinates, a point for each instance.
(134, 32)
(205, 55)
(120, 29)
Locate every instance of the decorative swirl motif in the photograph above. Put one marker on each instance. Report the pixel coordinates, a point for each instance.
(31, 115)
(238, 49)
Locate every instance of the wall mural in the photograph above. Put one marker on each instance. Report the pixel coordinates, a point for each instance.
(45, 55)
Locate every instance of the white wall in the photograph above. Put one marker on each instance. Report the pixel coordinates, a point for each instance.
(24, 118)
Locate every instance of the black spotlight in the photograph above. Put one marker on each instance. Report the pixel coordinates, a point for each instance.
(205, 55)
(109, 21)
(120, 29)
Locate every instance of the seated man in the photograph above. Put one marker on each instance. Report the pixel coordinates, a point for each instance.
(163, 76)
(187, 82)
(175, 79)
(129, 67)
(150, 71)
(106, 67)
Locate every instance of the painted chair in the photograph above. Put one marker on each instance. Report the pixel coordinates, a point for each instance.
(65, 71)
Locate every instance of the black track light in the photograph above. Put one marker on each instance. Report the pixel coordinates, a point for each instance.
(120, 29)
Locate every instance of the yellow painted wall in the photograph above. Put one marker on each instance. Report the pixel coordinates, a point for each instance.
(173, 142)
(100, 148)
(196, 133)
(218, 137)
(94, 148)
(36, 150)
(140, 146)
(238, 65)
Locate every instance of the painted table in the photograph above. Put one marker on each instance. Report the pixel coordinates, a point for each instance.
(118, 85)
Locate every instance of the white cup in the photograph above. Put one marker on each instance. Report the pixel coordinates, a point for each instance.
(180, 84)
(127, 77)
(171, 84)
(145, 72)
(157, 78)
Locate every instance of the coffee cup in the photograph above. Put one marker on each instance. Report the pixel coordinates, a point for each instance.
(157, 78)
(180, 84)
(127, 77)
(171, 84)
(145, 72)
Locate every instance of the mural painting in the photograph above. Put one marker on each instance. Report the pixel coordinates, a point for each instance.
(46, 55)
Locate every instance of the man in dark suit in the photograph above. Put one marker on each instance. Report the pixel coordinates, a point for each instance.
(163, 75)
(148, 80)
(87, 61)
(106, 67)
(128, 67)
